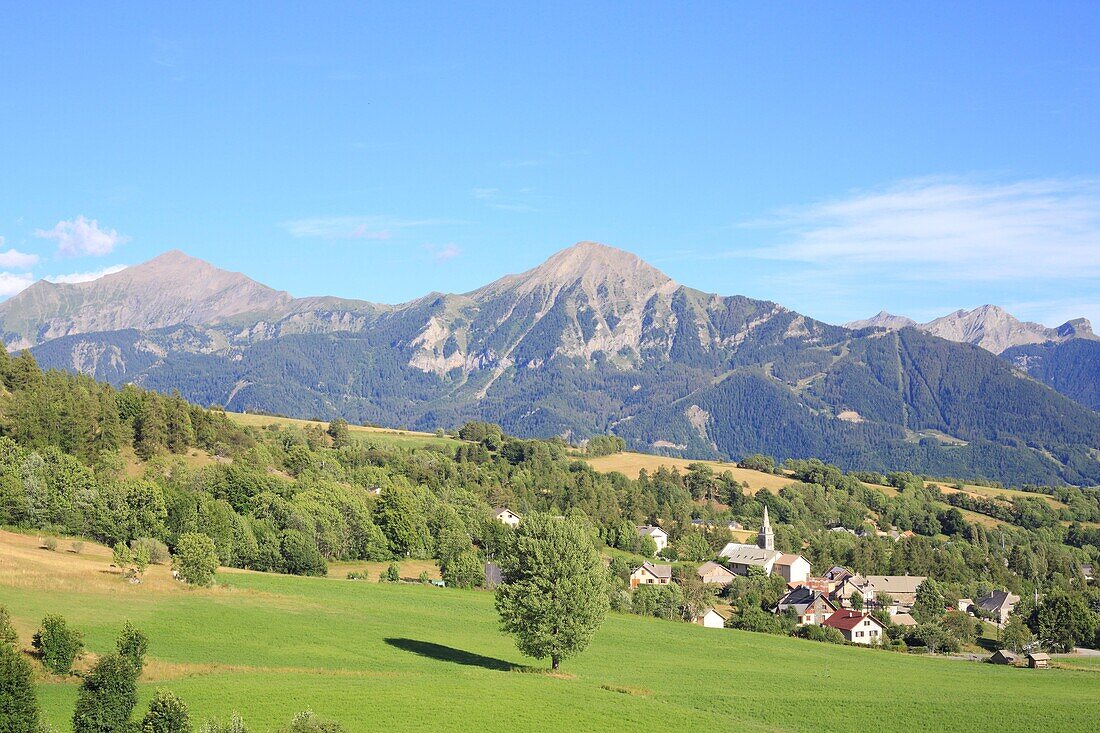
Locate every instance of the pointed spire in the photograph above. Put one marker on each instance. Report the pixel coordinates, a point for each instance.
(766, 539)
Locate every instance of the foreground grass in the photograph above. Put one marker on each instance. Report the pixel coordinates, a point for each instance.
(411, 657)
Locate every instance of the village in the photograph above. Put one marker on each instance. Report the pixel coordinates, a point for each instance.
(860, 608)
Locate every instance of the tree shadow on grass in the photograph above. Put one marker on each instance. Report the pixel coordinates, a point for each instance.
(450, 654)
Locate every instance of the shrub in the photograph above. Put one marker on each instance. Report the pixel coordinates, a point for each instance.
(167, 714)
(235, 725)
(392, 574)
(155, 550)
(196, 559)
(132, 645)
(107, 697)
(8, 637)
(307, 722)
(49, 543)
(77, 547)
(18, 704)
(423, 578)
(820, 633)
(57, 644)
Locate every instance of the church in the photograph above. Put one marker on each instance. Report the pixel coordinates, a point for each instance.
(739, 557)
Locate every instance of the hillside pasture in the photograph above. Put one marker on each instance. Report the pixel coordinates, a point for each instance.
(416, 657)
(631, 464)
(379, 436)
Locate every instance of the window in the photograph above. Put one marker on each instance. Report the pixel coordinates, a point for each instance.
(859, 634)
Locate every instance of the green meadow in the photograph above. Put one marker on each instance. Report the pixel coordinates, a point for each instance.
(412, 657)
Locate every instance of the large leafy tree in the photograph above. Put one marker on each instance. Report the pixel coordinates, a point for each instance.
(554, 596)
(1062, 621)
(928, 606)
(107, 697)
(18, 704)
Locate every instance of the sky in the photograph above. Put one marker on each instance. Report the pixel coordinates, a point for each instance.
(839, 158)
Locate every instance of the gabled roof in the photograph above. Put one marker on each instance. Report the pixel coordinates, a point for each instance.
(801, 598)
(848, 620)
(904, 619)
(748, 554)
(1039, 656)
(789, 559)
(837, 573)
(997, 600)
(724, 615)
(657, 571)
(498, 510)
(895, 585)
(649, 529)
(711, 566)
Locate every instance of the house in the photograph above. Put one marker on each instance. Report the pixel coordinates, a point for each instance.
(998, 604)
(837, 574)
(854, 585)
(856, 626)
(809, 606)
(375, 491)
(713, 619)
(504, 515)
(740, 557)
(965, 604)
(649, 574)
(660, 537)
(903, 619)
(902, 588)
(711, 573)
(1038, 660)
(1086, 570)
(1004, 656)
(821, 585)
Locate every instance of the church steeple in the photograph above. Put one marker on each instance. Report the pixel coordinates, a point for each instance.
(766, 539)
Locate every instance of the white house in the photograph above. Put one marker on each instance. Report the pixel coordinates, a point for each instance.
(713, 619)
(740, 557)
(660, 537)
(857, 627)
(649, 574)
(504, 515)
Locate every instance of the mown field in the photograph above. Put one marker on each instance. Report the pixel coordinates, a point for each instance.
(413, 657)
(401, 438)
(631, 464)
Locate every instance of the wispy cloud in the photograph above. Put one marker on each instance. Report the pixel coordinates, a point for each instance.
(17, 260)
(12, 283)
(83, 277)
(81, 236)
(443, 252)
(500, 200)
(941, 228)
(353, 227)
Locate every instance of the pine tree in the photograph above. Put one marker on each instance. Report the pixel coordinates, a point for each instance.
(151, 436)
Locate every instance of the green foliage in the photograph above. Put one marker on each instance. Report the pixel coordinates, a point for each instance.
(107, 697)
(464, 570)
(18, 701)
(604, 445)
(813, 632)
(132, 645)
(57, 644)
(1015, 635)
(300, 555)
(234, 725)
(392, 574)
(929, 604)
(1063, 621)
(307, 722)
(693, 547)
(8, 635)
(555, 592)
(196, 559)
(661, 601)
(339, 432)
(167, 714)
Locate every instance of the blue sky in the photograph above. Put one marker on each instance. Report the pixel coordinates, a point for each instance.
(839, 158)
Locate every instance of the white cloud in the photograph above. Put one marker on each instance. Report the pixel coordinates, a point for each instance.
(353, 227)
(83, 277)
(82, 237)
(17, 260)
(443, 252)
(12, 283)
(941, 228)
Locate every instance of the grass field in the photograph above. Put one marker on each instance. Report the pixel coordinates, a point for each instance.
(631, 464)
(413, 657)
(401, 438)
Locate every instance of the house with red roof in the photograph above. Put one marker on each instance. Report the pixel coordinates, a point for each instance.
(857, 627)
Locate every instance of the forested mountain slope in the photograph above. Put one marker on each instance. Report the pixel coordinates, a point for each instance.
(596, 340)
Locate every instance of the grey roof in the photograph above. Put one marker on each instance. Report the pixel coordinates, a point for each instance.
(741, 554)
(710, 566)
(650, 530)
(801, 598)
(660, 571)
(997, 600)
(498, 510)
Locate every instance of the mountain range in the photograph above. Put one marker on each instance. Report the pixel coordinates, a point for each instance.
(1066, 358)
(593, 340)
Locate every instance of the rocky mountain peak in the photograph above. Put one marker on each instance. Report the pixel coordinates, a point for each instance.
(882, 319)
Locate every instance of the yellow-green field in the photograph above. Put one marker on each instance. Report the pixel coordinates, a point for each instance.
(401, 438)
(420, 658)
(631, 464)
